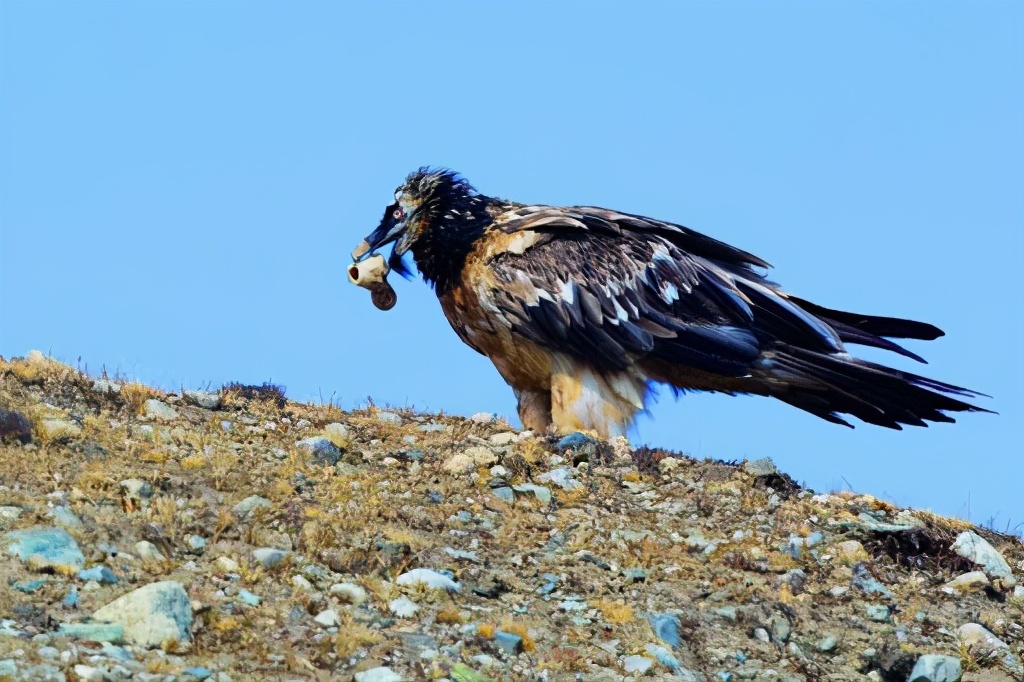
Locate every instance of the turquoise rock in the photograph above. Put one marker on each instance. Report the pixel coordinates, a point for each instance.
(936, 668)
(101, 574)
(29, 586)
(93, 632)
(508, 642)
(46, 549)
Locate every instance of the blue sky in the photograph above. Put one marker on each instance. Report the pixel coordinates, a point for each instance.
(181, 183)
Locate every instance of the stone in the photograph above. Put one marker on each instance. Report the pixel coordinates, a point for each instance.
(8, 668)
(136, 489)
(328, 618)
(336, 431)
(58, 429)
(100, 574)
(508, 642)
(540, 492)
(761, 467)
(431, 579)
(483, 417)
(10, 513)
(461, 555)
(504, 438)
(349, 593)
(504, 493)
(246, 507)
(976, 549)
(403, 607)
(666, 628)
(157, 409)
(974, 581)
(204, 399)
(636, 664)
(979, 640)
(321, 448)
(196, 544)
(389, 417)
(562, 477)
(665, 657)
(878, 612)
(381, 674)
(93, 632)
(469, 460)
(155, 615)
(850, 552)
(225, 564)
(248, 598)
(63, 516)
(936, 668)
(781, 628)
(46, 549)
(828, 643)
(867, 583)
(147, 551)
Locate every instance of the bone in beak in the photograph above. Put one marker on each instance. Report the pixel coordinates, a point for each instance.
(363, 247)
(372, 274)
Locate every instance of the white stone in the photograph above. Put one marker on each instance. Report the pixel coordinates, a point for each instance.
(155, 615)
(431, 579)
(403, 607)
(980, 640)
(328, 618)
(636, 664)
(349, 592)
(226, 564)
(147, 551)
(381, 674)
(968, 582)
(975, 548)
(336, 431)
(156, 409)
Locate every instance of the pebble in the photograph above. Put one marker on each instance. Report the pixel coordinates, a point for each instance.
(381, 674)
(101, 574)
(850, 552)
(973, 581)
(462, 555)
(147, 551)
(403, 607)
(106, 386)
(269, 557)
(878, 613)
(828, 643)
(562, 477)
(209, 401)
(196, 544)
(666, 628)
(505, 438)
(349, 593)
(328, 618)
(10, 513)
(867, 583)
(388, 417)
(157, 409)
(636, 664)
(483, 417)
(136, 489)
(65, 517)
(975, 548)
(977, 638)
(469, 460)
(508, 642)
(46, 549)
(249, 505)
(248, 598)
(936, 668)
(761, 467)
(431, 579)
(152, 615)
(226, 564)
(93, 632)
(321, 448)
(504, 493)
(540, 492)
(782, 628)
(336, 431)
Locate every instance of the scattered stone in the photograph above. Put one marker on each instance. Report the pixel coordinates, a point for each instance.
(761, 467)
(321, 448)
(226, 564)
(460, 554)
(337, 432)
(878, 612)
(136, 489)
(46, 549)
(157, 409)
(979, 640)
(484, 417)
(666, 628)
(562, 477)
(147, 551)
(248, 598)
(246, 507)
(867, 583)
(936, 668)
(431, 579)
(540, 492)
(209, 401)
(58, 429)
(470, 460)
(504, 493)
(974, 581)
(976, 549)
(155, 615)
(29, 586)
(269, 557)
(100, 574)
(828, 643)
(403, 607)
(381, 674)
(328, 618)
(8, 668)
(636, 664)
(508, 642)
(505, 438)
(196, 544)
(388, 417)
(9, 513)
(93, 632)
(665, 657)
(349, 593)
(63, 516)
(850, 552)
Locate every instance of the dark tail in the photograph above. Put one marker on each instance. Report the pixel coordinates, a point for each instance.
(829, 385)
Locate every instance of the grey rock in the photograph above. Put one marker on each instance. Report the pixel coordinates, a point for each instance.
(381, 674)
(483, 417)
(157, 409)
(147, 551)
(979, 640)
(349, 593)
(100, 574)
(972, 581)
(9, 513)
(44, 673)
(878, 612)
(153, 615)
(431, 579)
(46, 549)
(136, 489)
(248, 598)
(209, 401)
(93, 632)
(196, 544)
(869, 522)
(828, 643)
(321, 448)
(328, 618)
(508, 642)
(63, 516)
(504, 493)
(540, 492)
(636, 664)
(403, 607)
(249, 505)
(867, 583)
(462, 555)
(976, 549)
(761, 467)
(781, 628)
(8, 668)
(666, 628)
(936, 668)
(389, 417)
(337, 430)
(106, 386)
(562, 477)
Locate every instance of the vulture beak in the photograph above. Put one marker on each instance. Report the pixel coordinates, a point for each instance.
(388, 232)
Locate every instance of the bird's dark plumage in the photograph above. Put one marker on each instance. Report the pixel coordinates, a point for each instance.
(581, 308)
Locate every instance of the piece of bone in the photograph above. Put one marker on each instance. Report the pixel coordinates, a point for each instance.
(363, 247)
(372, 274)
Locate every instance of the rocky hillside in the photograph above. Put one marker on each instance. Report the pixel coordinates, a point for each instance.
(236, 535)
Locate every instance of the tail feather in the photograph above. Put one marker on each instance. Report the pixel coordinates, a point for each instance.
(828, 385)
(893, 327)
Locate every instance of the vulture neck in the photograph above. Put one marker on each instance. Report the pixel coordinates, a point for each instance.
(440, 253)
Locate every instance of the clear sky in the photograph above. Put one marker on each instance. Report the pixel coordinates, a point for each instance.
(181, 183)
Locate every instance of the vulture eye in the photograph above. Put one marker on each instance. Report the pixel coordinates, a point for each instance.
(398, 213)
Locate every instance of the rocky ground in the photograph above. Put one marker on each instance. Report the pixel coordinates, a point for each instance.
(235, 535)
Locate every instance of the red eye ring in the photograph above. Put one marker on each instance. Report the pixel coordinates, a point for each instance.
(398, 214)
